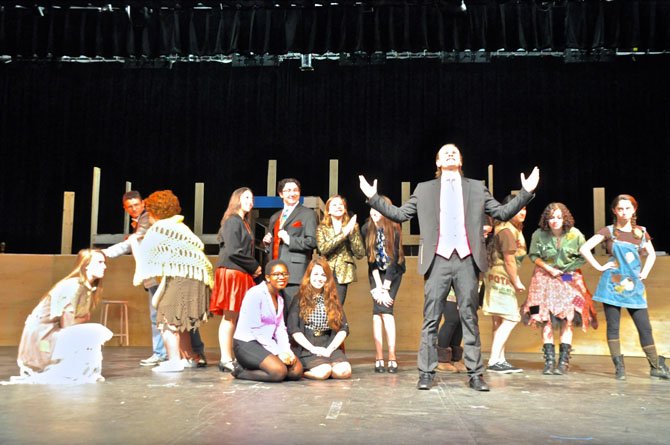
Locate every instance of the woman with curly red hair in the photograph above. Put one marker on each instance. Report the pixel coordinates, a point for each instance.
(621, 286)
(171, 251)
(317, 324)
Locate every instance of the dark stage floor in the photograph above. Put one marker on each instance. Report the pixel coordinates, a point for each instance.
(205, 406)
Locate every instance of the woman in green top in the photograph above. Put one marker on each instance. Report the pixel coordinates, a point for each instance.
(557, 292)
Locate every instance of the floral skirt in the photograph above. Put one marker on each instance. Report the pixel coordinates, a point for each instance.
(561, 296)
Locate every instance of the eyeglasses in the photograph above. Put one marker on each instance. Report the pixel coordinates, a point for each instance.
(291, 191)
(279, 275)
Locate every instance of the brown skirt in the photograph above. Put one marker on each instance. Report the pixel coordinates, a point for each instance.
(184, 304)
(229, 289)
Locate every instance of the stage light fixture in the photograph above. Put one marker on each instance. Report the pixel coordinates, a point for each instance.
(306, 62)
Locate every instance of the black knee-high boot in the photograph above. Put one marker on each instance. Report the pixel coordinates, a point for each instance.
(563, 359)
(619, 368)
(657, 363)
(549, 358)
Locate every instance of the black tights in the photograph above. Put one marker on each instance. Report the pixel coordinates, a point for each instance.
(451, 331)
(640, 318)
(272, 370)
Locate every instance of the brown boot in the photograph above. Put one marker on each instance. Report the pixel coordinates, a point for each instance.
(444, 360)
(457, 357)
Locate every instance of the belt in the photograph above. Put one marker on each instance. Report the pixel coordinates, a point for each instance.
(319, 333)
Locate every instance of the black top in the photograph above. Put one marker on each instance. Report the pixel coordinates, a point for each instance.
(237, 249)
(296, 324)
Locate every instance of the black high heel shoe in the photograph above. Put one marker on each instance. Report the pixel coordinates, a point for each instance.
(227, 366)
(392, 367)
(379, 366)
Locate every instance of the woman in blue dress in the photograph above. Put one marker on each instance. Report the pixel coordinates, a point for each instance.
(621, 284)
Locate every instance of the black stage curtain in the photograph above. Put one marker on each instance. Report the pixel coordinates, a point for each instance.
(585, 125)
(350, 27)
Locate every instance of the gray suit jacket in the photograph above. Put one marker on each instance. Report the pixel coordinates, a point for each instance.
(425, 202)
(301, 228)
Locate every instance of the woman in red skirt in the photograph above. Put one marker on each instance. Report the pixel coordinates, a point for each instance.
(236, 269)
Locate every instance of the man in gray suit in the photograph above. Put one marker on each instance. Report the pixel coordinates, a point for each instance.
(452, 211)
(292, 236)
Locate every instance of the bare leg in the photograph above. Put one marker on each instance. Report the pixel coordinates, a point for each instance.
(566, 332)
(185, 347)
(548, 333)
(500, 337)
(226, 331)
(377, 335)
(341, 370)
(321, 372)
(389, 328)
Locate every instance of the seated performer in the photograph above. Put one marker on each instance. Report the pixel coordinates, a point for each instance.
(317, 323)
(57, 344)
(261, 343)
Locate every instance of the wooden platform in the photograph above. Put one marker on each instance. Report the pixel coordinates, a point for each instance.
(25, 278)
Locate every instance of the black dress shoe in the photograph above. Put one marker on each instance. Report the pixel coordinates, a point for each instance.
(425, 381)
(478, 384)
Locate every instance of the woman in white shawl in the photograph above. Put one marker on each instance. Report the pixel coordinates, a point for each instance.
(170, 250)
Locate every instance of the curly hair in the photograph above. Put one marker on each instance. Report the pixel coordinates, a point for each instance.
(327, 219)
(568, 219)
(307, 295)
(162, 204)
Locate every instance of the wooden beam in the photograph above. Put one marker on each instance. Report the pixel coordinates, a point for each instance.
(490, 184)
(333, 172)
(599, 213)
(405, 193)
(272, 178)
(95, 202)
(199, 207)
(126, 216)
(68, 224)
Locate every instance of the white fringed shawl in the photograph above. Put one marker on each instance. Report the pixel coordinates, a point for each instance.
(170, 249)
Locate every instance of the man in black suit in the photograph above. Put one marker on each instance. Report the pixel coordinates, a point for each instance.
(292, 236)
(452, 211)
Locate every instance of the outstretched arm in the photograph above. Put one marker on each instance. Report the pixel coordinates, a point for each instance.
(529, 184)
(368, 190)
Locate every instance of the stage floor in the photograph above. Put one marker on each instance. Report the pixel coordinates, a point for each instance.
(205, 406)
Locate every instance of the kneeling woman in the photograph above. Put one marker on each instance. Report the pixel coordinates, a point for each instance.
(261, 342)
(317, 323)
(58, 345)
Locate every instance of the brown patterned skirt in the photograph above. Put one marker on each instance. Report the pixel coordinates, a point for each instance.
(184, 304)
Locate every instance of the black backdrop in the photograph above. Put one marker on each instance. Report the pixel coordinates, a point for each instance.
(584, 125)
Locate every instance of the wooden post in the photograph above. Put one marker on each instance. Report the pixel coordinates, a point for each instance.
(68, 224)
(199, 207)
(272, 177)
(599, 213)
(333, 177)
(490, 170)
(404, 196)
(95, 202)
(126, 216)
